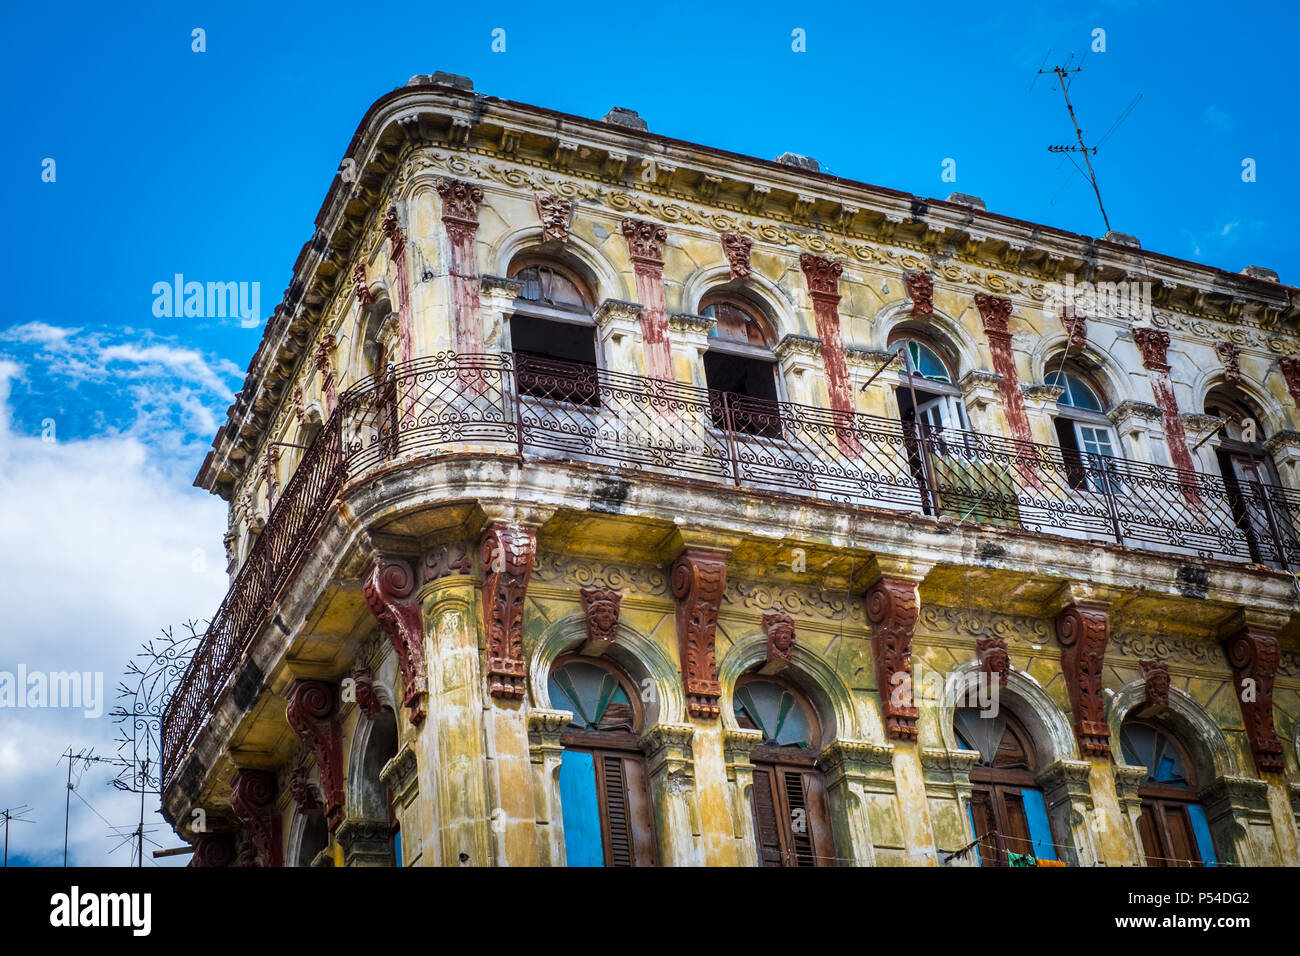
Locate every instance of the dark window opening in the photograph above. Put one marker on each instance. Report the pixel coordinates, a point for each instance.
(1076, 474)
(555, 360)
(749, 384)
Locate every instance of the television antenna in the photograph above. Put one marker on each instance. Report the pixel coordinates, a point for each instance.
(14, 815)
(1064, 74)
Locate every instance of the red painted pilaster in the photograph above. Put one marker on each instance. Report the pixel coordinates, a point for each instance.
(1154, 345)
(995, 311)
(460, 202)
(823, 277)
(645, 243)
(397, 251)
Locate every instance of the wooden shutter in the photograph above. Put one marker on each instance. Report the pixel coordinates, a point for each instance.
(984, 822)
(618, 837)
(1015, 828)
(640, 815)
(1182, 842)
(767, 829)
(1151, 844)
(797, 820)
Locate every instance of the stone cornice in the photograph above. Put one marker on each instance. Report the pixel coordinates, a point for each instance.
(1143, 411)
(689, 323)
(613, 310)
(871, 359)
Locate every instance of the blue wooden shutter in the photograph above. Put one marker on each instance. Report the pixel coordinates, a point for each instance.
(1201, 828)
(580, 810)
(1040, 831)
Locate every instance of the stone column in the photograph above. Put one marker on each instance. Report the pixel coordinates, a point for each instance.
(1241, 821)
(401, 776)
(800, 358)
(618, 328)
(995, 313)
(863, 802)
(1138, 425)
(1067, 791)
(670, 763)
(823, 277)
(689, 336)
(736, 748)
(879, 398)
(981, 393)
(545, 751)
(460, 202)
(497, 296)
(947, 792)
(508, 552)
(645, 242)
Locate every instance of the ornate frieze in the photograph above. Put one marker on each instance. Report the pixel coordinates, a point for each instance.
(1253, 653)
(1176, 649)
(600, 606)
(698, 579)
(555, 213)
(1083, 630)
(893, 608)
(507, 554)
(390, 594)
(736, 249)
(252, 797)
(567, 572)
(313, 713)
(973, 622)
(778, 628)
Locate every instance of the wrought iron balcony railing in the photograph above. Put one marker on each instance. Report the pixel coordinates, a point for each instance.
(532, 408)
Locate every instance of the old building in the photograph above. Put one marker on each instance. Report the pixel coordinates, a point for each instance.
(600, 498)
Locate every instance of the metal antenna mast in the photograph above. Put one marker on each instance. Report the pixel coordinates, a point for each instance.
(13, 815)
(1062, 72)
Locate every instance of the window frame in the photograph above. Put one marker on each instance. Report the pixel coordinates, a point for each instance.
(765, 355)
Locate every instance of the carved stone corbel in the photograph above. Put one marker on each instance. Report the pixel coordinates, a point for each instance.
(363, 685)
(252, 797)
(390, 595)
(698, 578)
(213, 850)
(313, 713)
(303, 791)
(1253, 653)
(893, 606)
(507, 554)
(1082, 630)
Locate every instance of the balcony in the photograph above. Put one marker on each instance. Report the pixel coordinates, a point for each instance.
(533, 409)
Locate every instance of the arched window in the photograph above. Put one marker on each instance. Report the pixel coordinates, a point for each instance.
(788, 799)
(315, 837)
(740, 369)
(604, 792)
(1007, 810)
(1083, 431)
(1247, 468)
(927, 391)
(374, 803)
(552, 332)
(1173, 826)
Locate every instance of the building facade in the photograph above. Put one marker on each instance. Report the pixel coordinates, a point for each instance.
(602, 499)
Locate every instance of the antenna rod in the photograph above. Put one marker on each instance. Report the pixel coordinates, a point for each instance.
(1092, 176)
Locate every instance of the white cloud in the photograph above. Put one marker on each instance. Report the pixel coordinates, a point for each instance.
(98, 539)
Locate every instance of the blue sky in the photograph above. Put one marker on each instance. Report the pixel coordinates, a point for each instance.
(214, 165)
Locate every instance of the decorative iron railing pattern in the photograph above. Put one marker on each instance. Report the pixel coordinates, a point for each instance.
(533, 408)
